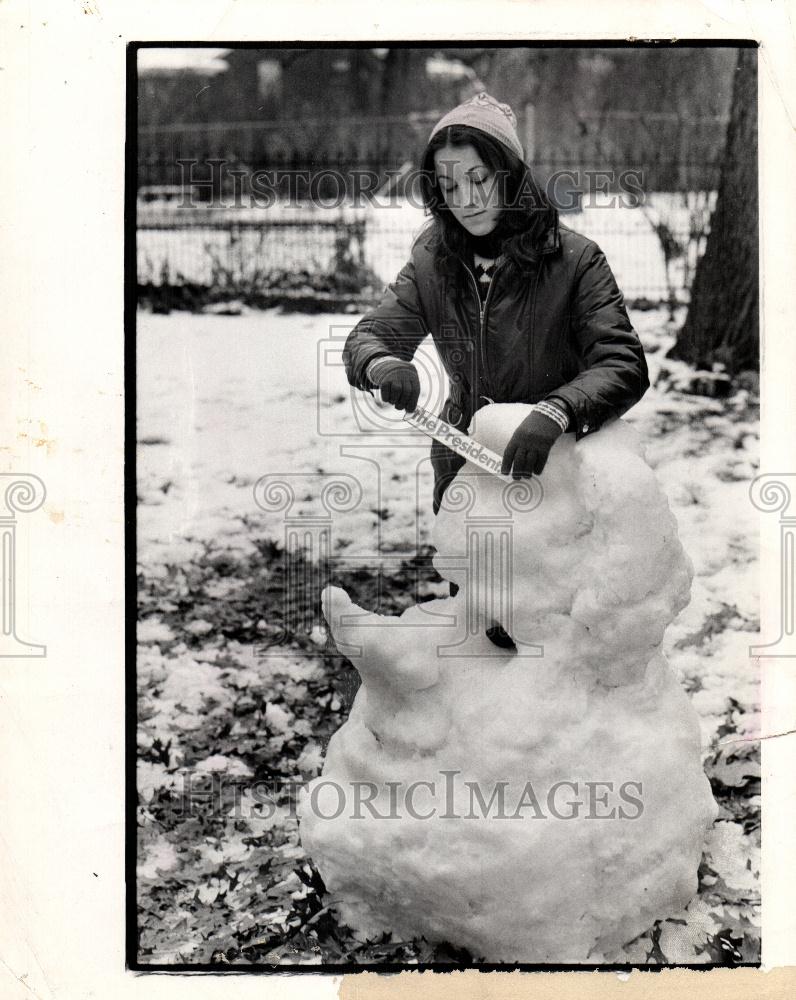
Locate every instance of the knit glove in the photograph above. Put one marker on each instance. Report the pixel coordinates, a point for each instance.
(397, 380)
(527, 451)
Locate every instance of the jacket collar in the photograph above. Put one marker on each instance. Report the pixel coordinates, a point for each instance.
(552, 238)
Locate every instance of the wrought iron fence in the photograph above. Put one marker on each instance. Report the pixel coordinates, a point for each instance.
(234, 209)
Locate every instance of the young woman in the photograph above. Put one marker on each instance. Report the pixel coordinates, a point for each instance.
(521, 308)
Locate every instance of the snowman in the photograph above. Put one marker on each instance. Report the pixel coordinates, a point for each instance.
(542, 800)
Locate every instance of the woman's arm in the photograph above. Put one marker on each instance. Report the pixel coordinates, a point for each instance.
(615, 374)
(395, 328)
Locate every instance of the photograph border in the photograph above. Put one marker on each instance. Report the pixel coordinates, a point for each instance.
(130, 306)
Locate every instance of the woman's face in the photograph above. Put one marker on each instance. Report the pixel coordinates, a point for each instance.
(469, 188)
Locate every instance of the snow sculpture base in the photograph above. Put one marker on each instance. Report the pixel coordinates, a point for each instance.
(558, 803)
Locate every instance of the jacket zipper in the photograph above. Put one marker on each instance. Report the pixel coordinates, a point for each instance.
(533, 321)
(481, 317)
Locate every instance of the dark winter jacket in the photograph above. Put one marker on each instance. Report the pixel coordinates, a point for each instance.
(557, 330)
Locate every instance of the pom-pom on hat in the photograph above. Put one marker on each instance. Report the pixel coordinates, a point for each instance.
(485, 113)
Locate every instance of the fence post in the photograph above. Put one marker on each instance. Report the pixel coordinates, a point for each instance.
(682, 153)
(529, 131)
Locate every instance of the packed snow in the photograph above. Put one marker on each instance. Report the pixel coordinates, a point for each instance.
(594, 573)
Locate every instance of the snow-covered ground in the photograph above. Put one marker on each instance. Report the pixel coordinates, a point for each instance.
(225, 400)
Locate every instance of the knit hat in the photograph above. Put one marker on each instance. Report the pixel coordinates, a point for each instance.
(488, 115)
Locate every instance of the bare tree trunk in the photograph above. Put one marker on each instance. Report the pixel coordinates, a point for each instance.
(722, 324)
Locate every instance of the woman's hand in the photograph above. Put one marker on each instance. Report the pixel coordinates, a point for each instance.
(527, 451)
(398, 381)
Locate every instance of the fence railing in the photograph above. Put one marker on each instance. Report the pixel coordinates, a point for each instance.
(286, 208)
(675, 152)
(168, 153)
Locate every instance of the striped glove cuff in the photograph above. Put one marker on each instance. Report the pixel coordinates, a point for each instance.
(554, 412)
(373, 367)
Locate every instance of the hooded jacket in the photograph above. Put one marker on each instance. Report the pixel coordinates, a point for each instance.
(555, 330)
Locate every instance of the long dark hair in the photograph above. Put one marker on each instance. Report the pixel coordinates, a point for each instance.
(526, 217)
